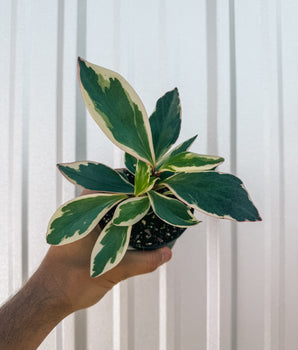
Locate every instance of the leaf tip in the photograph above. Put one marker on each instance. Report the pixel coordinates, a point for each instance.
(175, 91)
(51, 240)
(60, 167)
(80, 59)
(259, 218)
(93, 274)
(80, 62)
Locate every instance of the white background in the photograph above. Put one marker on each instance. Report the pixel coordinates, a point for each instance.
(228, 286)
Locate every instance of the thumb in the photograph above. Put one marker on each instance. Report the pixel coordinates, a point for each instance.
(139, 262)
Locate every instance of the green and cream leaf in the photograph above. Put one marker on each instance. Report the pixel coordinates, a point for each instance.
(182, 147)
(213, 193)
(76, 218)
(96, 177)
(109, 248)
(165, 122)
(143, 180)
(130, 211)
(117, 109)
(171, 210)
(190, 162)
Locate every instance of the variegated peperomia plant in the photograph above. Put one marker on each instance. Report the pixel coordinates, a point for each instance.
(170, 182)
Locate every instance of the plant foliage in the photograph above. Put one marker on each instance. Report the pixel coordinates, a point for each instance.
(171, 182)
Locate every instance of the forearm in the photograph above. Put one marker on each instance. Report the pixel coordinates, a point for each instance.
(62, 285)
(27, 318)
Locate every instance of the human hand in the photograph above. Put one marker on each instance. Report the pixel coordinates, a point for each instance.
(69, 267)
(62, 285)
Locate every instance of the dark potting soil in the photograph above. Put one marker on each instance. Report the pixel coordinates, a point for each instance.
(150, 232)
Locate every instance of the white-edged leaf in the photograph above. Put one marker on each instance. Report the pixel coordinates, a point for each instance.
(96, 177)
(117, 109)
(213, 193)
(182, 147)
(171, 210)
(131, 211)
(143, 180)
(74, 219)
(165, 122)
(190, 162)
(109, 249)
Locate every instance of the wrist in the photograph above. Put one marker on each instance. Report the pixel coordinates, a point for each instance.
(58, 278)
(28, 317)
(46, 282)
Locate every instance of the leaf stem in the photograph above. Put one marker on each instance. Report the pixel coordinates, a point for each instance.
(154, 173)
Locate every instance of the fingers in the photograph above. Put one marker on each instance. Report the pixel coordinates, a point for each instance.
(139, 262)
(135, 262)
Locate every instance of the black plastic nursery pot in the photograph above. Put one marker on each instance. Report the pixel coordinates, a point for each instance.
(149, 233)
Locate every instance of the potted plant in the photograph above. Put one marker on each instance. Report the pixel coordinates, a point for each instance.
(151, 202)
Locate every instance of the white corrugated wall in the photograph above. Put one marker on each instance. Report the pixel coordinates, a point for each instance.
(228, 286)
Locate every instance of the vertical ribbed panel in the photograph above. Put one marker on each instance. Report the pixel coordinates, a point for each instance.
(231, 316)
(12, 97)
(279, 318)
(250, 168)
(144, 16)
(81, 137)
(68, 132)
(99, 49)
(226, 134)
(228, 286)
(5, 37)
(41, 135)
(288, 118)
(273, 250)
(59, 128)
(187, 272)
(213, 272)
(163, 271)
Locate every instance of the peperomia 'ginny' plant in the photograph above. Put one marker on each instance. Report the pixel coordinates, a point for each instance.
(170, 182)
